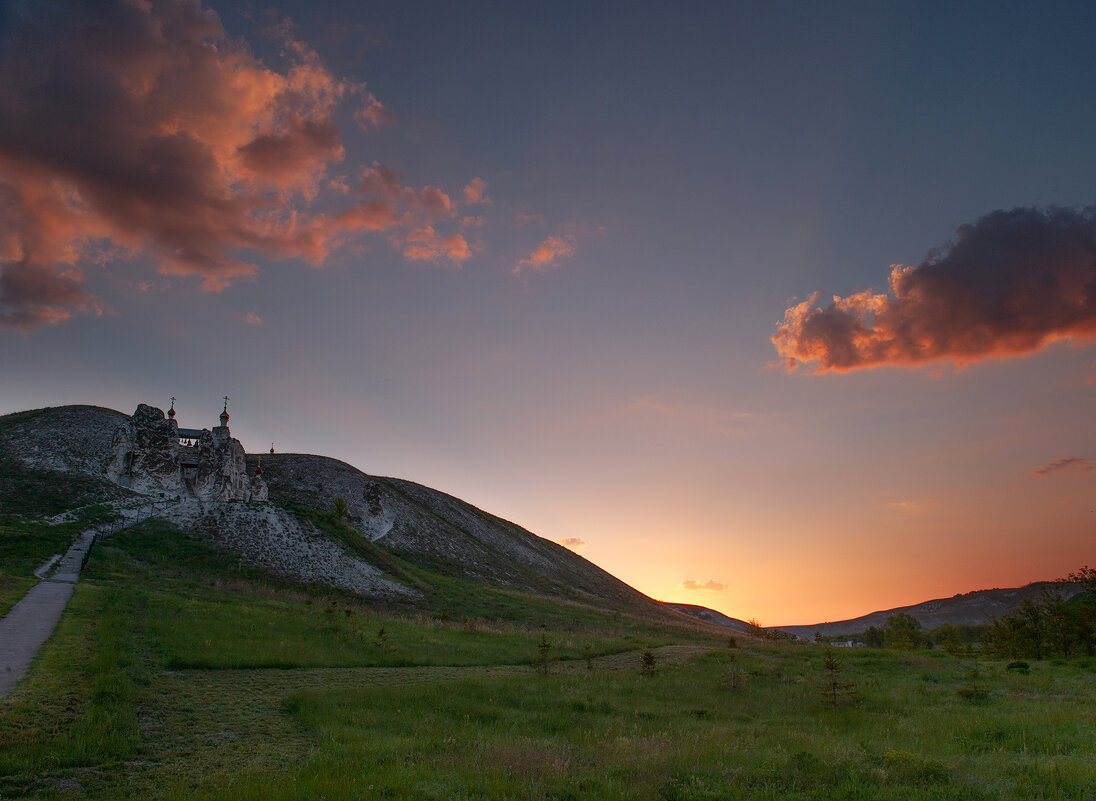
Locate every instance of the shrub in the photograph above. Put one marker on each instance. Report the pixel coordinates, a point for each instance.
(973, 689)
(544, 655)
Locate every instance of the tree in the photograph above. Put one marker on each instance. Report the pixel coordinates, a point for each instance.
(902, 631)
(952, 639)
(874, 637)
(1049, 625)
(342, 511)
(544, 655)
(1086, 577)
(834, 688)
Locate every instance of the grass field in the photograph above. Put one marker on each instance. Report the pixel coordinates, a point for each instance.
(178, 673)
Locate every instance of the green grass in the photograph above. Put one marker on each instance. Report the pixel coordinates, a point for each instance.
(29, 491)
(77, 706)
(179, 673)
(682, 734)
(205, 610)
(26, 544)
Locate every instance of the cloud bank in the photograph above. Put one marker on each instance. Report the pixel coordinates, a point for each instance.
(1063, 463)
(1010, 283)
(142, 128)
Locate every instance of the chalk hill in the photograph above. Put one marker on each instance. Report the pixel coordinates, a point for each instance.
(289, 531)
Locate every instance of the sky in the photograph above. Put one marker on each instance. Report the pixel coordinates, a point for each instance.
(784, 309)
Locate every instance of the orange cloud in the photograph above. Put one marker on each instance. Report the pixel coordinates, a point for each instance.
(1011, 283)
(711, 585)
(253, 319)
(571, 542)
(424, 244)
(146, 126)
(547, 253)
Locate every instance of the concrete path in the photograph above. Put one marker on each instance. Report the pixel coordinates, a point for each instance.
(32, 620)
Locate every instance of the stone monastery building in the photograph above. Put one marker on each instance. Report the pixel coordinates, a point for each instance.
(151, 453)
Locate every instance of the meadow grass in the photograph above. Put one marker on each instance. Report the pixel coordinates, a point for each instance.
(683, 734)
(76, 706)
(179, 673)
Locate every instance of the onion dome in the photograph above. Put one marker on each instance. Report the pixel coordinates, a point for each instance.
(224, 414)
(171, 411)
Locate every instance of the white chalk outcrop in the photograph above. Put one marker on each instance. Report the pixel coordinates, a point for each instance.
(146, 457)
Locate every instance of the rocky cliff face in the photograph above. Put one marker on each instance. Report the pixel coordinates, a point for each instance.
(280, 542)
(146, 457)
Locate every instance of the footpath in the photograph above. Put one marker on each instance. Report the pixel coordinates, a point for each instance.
(30, 622)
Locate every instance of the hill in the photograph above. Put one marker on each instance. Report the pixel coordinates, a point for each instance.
(711, 616)
(404, 542)
(971, 609)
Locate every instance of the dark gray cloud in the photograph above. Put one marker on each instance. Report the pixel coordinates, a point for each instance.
(1063, 463)
(1009, 284)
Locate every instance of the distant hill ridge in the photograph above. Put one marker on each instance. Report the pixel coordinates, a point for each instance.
(971, 609)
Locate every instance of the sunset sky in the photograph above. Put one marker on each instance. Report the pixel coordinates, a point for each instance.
(782, 308)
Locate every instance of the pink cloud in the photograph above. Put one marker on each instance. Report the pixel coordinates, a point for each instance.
(476, 192)
(1011, 283)
(253, 319)
(547, 253)
(381, 180)
(434, 201)
(528, 218)
(373, 114)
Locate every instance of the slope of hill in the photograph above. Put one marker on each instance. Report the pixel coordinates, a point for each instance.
(710, 616)
(400, 523)
(67, 438)
(437, 530)
(970, 609)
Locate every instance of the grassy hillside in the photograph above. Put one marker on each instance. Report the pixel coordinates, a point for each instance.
(446, 535)
(26, 540)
